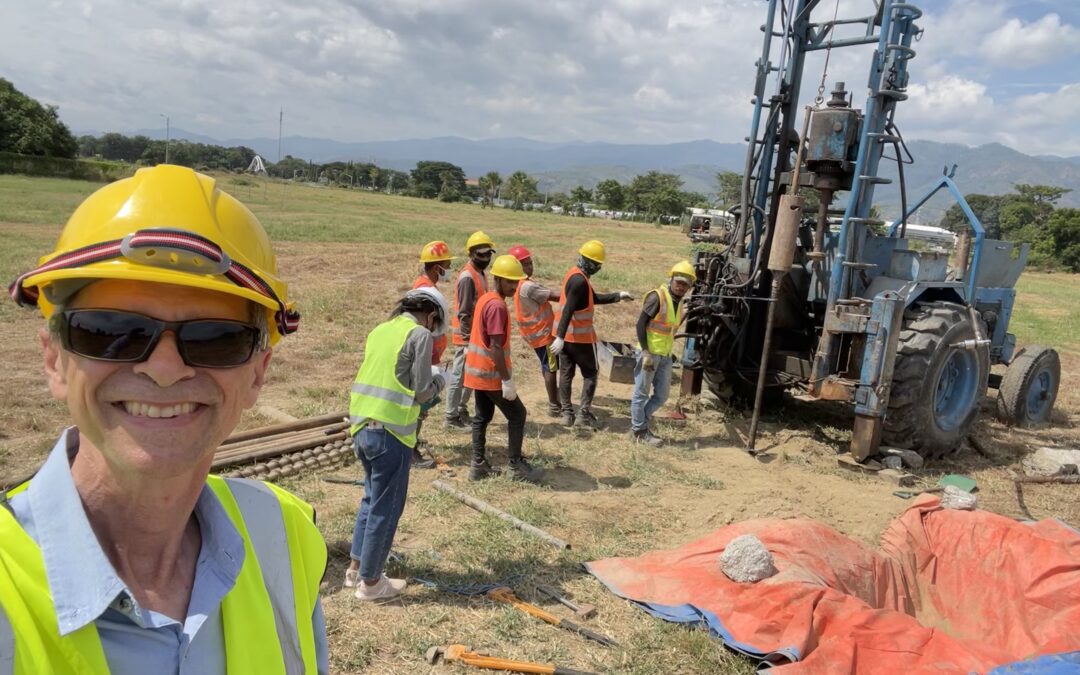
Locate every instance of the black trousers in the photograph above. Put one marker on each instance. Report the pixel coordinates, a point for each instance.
(515, 414)
(577, 355)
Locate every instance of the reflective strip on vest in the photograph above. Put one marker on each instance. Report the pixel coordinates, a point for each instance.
(536, 328)
(266, 616)
(580, 329)
(479, 288)
(480, 370)
(377, 393)
(660, 332)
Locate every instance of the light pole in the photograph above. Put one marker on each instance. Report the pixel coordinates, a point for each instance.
(166, 136)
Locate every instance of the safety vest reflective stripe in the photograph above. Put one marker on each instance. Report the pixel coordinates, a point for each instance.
(537, 327)
(660, 332)
(377, 393)
(479, 288)
(480, 370)
(386, 394)
(580, 329)
(266, 616)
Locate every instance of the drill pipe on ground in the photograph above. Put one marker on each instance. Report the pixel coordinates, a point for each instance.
(275, 449)
(298, 425)
(240, 449)
(484, 507)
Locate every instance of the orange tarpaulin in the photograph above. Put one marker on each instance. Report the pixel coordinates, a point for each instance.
(947, 591)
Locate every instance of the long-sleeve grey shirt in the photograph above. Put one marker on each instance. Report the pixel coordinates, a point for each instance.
(414, 365)
(466, 302)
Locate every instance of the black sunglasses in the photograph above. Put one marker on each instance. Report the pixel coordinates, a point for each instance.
(116, 335)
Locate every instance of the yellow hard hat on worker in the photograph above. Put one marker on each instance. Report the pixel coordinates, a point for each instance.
(508, 267)
(169, 225)
(683, 268)
(594, 250)
(435, 251)
(477, 239)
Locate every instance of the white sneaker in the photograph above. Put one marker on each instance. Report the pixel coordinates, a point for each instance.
(352, 578)
(383, 589)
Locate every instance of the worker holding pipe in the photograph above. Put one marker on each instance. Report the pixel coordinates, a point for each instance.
(575, 337)
(436, 259)
(122, 554)
(488, 372)
(471, 284)
(661, 314)
(394, 380)
(536, 322)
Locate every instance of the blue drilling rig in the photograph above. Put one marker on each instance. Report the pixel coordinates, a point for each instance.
(786, 298)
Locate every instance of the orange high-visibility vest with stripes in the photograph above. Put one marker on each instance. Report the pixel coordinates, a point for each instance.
(438, 345)
(479, 288)
(536, 328)
(480, 370)
(581, 322)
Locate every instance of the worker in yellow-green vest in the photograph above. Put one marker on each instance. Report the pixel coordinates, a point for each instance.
(395, 380)
(661, 314)
(122, 554)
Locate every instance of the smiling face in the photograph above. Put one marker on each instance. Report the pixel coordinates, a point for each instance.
(159, 417)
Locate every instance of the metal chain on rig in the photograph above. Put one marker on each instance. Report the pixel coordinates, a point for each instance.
(820, 98)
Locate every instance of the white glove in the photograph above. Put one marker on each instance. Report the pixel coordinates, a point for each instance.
(557, 346)
(509, 390)
(623, 295)
(436, 371)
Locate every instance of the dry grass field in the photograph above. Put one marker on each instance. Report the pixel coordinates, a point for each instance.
(348, 255)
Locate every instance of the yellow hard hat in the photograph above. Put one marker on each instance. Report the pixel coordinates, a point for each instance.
(478, 238)
(508, 267)
(684, 269)
(594, 250)
(166, 224)
(435, 251)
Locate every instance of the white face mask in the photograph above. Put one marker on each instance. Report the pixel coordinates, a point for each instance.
(444, 274)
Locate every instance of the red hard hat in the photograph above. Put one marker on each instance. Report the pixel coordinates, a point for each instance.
(520, 252)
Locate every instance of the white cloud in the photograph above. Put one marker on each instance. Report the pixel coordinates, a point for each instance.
(1023, 45)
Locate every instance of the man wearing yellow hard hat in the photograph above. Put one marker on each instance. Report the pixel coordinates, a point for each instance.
(661, 314)
(488, 372)
(122, 553)
(575, 338)
(471, 284)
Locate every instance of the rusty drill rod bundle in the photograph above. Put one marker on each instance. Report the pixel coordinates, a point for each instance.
(298, 425)
(276, 449)
(484, 507)
(239, 449)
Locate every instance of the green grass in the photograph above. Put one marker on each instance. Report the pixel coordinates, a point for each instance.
(1048, 311)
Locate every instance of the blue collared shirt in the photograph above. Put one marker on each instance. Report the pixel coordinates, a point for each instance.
(85, 587)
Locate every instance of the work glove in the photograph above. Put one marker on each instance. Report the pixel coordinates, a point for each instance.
(625, 295)
(557, 346)
(648, 361)
(509, 390)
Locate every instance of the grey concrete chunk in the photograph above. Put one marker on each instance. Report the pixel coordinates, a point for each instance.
(746, 560)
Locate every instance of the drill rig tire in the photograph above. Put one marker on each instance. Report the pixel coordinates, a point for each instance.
(735, 392)
(937, 388)
(1030, 387)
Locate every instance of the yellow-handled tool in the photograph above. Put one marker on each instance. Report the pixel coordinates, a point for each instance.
(505, 595)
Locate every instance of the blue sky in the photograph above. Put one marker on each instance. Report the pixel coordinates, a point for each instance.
(652, 71)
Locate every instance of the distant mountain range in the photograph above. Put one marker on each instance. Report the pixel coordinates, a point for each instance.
(559, 167)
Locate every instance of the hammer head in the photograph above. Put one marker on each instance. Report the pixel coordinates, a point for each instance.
(445, 653)
(585, 611)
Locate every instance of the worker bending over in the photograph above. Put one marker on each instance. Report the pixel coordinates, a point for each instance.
(488, 372)
(575, 338)
(123, 554)
(436, 259)
(661, 314)
(536, 321)
(471, 284)
(395, 378)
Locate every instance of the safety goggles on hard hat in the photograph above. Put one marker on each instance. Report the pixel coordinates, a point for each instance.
(165, 248)
(127, 337)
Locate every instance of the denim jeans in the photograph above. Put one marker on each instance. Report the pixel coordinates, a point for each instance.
(386, 463)
(457, 394)
(642, 405)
